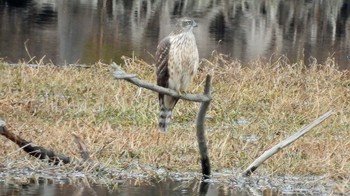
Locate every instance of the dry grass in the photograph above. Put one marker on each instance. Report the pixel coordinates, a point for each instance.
(254, 107)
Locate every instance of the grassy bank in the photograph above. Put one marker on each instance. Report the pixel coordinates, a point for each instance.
(253, 108)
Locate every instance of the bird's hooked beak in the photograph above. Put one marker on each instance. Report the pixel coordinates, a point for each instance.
(195, 24)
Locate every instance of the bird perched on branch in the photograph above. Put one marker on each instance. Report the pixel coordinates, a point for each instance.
(177, 62)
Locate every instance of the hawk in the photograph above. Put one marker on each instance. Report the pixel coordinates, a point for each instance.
(177, 62)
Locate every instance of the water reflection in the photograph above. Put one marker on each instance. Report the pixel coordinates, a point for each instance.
(146, 189)
(67, 31)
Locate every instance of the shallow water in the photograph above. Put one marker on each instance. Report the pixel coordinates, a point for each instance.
(69, 31)
(115, 181)
(168, 187)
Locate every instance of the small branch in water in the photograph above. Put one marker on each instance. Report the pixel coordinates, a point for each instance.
(36, 151)
(267, 154)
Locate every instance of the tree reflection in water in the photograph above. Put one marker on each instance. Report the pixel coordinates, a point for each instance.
(69, 31)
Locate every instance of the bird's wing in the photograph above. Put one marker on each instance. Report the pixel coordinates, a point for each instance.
(162, 57)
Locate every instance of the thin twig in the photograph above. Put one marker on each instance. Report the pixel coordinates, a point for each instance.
(26, 48)
(267, 154)
(84, 153)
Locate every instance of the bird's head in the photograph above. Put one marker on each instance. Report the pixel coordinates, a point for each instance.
(185, 24)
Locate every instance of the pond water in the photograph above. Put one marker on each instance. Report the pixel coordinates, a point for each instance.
(59, 182)
(70, 31)
(167, 188)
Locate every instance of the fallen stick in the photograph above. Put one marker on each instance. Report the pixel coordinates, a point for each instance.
(50, 156)
(267, 154)
(36, 151)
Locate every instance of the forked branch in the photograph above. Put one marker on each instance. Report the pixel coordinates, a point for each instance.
(205, 99)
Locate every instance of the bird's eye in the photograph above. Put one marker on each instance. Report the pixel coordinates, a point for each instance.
(187, 23)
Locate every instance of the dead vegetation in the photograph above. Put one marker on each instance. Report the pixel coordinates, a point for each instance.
(253, 108)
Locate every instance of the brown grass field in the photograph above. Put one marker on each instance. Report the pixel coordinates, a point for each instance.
(254, 107)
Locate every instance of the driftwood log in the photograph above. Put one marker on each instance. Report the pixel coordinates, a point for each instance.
(205, 99)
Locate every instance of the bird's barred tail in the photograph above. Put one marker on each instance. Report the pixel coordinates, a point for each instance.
(164, 118)
(166, 104)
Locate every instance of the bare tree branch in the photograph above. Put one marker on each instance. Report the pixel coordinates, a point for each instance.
(119, 73)
(267, 154)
